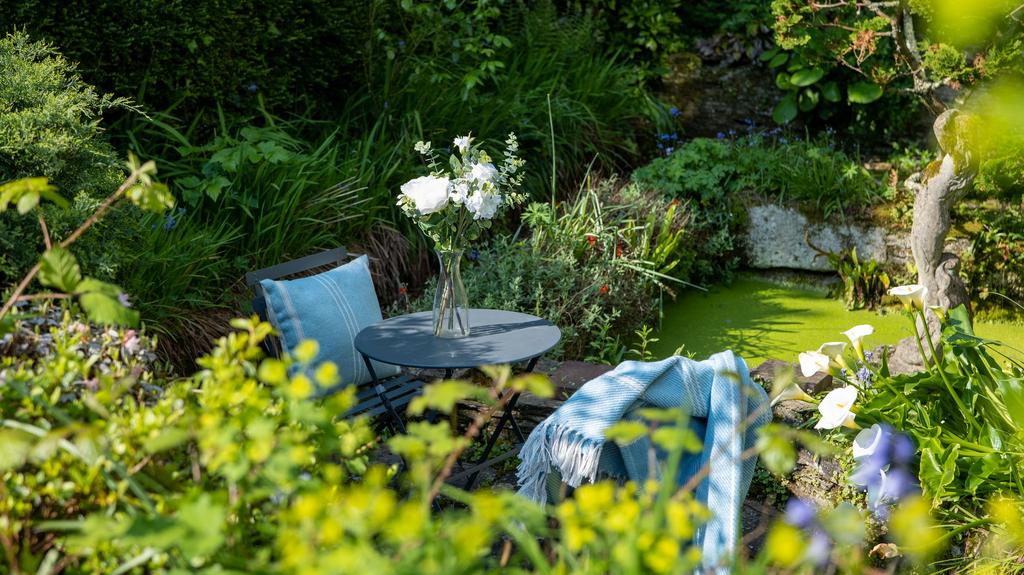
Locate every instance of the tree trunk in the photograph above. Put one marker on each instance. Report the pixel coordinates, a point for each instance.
(937, 269)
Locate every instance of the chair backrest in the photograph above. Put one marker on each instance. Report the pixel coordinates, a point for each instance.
(294, 268)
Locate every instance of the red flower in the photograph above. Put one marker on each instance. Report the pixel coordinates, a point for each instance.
(603, 290)
(618, 251)
(402, 291)
(591, 239)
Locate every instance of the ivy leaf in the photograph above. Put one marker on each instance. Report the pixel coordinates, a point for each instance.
(785, 110)
(864, 92)
(59, 269)
(806, 76)
(102, 303)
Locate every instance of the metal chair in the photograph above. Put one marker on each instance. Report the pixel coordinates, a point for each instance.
(373, 399)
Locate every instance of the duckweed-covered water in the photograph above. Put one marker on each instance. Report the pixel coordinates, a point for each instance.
(759, 319)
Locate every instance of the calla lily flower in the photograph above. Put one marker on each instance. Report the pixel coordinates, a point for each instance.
(856, 335)
(837, 409)
(911, 296)
(793, 391)
(867, 441)
(834, 350)
(939, 311)
(812, 362)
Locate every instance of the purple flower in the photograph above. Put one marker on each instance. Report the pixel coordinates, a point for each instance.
(800, 513)
(720, 136)
(123, 299)
(674, 111)
(884, 458)
(864, 375)
(869, 355)
(732, 132)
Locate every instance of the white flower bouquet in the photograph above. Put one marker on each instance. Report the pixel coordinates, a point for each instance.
(453, 205)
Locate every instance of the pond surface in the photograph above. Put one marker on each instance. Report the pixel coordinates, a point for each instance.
(759, 319)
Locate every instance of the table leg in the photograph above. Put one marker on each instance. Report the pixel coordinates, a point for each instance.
(506, 418)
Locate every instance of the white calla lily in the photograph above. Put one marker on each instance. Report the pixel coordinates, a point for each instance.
(856, 335)
(912, 296)
(836, 409)
(834, 350)
(812, 362)
(867, 442)
(791, 392)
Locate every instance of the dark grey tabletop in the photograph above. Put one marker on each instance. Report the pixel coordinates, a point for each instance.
(495, 337)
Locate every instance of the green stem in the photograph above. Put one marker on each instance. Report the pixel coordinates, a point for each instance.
(942, 373)
(920, 348)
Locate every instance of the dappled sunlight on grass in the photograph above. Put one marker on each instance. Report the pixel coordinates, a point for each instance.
(758, 320)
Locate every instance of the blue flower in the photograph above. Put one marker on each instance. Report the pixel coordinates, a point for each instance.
(720, 136)
(748, 121)
(674, 112)
(669, 150)
(473, 255)
(884, 458)
(253, 87)
(123, 299)
(800, 513)
(732, 132)
(869, 355)
(783, 141)
(864, 375)
(401, 43)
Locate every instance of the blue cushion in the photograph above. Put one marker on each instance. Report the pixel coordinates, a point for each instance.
(331, 308)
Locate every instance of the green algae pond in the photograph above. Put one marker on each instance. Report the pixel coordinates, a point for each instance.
(761, 319)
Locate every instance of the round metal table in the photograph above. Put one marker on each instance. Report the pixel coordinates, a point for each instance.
(496, 337)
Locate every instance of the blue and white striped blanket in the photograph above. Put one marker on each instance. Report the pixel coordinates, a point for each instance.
(727, 409)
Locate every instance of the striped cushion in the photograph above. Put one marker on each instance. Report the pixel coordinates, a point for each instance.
(331, 308)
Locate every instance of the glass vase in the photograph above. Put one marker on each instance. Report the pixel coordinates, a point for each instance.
(451, 305)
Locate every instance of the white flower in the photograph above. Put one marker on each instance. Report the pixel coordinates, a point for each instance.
(912, 296)
(483, 204)
(811, 362)
(836, 408)
(856, 335)
(939, 311)
(427, 193)
(462, 143)
(867, 441)
(459, 191)
(792, 391)
(833, 349)
(483, 173)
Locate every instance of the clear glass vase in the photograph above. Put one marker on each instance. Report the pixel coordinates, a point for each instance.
(451, 305)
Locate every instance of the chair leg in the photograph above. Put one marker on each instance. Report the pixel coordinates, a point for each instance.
(379, 390)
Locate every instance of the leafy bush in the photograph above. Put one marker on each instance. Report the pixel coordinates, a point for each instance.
(596, 267)
(193, 56)
(49, 127)
(995, 259)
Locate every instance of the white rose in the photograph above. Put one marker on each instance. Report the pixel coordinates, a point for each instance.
(836, 408)
(427, 193)
(483, 173)
(483, 205)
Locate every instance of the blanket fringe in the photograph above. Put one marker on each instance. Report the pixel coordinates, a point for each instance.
(549, 446)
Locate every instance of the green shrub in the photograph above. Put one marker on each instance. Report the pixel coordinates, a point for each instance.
(596, 266)
(194, 55)
(50, 127)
